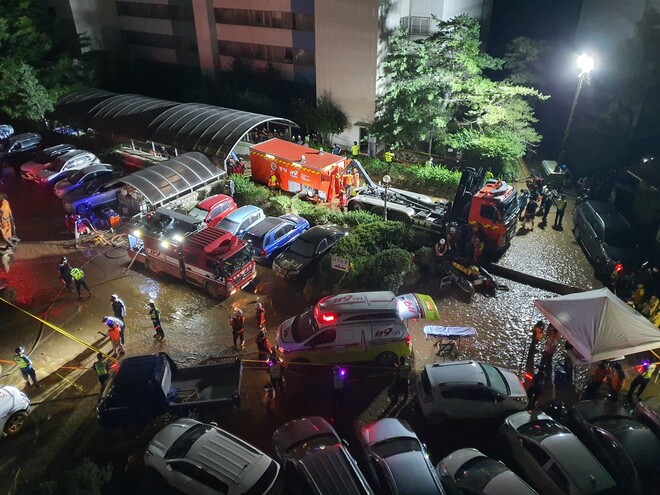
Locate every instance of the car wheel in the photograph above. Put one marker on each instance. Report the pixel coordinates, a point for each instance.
(152, 266)
(15, 423)
(356, 206)
(386, 359)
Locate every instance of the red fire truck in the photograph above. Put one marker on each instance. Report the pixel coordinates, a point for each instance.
(184, 247)
(294, 168)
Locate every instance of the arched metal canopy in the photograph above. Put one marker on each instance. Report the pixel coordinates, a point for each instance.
(208, 129)
(174, 177)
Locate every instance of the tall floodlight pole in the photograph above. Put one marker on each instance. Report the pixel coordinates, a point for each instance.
(586, 64)
(386, 180)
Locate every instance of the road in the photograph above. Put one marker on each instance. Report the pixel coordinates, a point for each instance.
(62, 426)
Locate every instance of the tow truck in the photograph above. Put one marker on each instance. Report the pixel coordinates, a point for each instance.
(185, 247)
(491, 208)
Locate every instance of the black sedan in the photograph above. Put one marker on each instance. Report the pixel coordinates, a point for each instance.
(305, 251)
(626, 447)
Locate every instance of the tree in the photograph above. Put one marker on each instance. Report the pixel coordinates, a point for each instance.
(435, 89)
(523, 60)
(325, 116)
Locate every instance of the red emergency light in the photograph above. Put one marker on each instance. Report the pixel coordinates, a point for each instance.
(618, 267)
(327, 317)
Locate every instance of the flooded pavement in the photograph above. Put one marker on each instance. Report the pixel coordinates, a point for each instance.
(197, 331)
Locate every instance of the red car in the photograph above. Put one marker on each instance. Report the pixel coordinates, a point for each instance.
(213, 209)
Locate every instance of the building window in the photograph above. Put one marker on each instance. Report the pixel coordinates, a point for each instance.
(265, 18)
(416, 25)
(182, 12)
(268, 53)
(178, 43)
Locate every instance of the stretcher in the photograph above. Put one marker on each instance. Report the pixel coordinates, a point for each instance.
(448, 338)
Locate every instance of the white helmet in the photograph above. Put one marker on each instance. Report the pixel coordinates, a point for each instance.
(259, 306)
(152, 302)
(239, 312)
(442, 242)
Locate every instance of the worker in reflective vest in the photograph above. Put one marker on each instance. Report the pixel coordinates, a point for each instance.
(355, 150)
(101, 369)
(24, 364)
(641, 381)
(154, 314)
(275, 372)
(389, 156)
(272, 182)
(78, 277)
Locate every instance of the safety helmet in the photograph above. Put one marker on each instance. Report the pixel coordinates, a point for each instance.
(452, 230)
(259, 306)
(64, 260)
(442, 242)
(105, 319)
(540, 323)
(152, 302)
(239, 312)
(110, 324)
(19, 350)
(114, 297)
(99, 355)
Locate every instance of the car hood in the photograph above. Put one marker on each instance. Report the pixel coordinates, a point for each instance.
(291, 262)
(12, 399)
(32, 167)
(455, 460)
(508, 483)
(164, 439)
(515, 386)
(285, 336)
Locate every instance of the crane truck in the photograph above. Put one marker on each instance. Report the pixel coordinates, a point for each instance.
(492, 208)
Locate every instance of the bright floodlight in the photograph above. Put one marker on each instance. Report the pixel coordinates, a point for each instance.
(585, 63)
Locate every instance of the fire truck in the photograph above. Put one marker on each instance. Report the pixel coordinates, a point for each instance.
(491, 208)
(184, 247)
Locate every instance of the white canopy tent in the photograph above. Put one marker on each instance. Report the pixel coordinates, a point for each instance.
(599, 325)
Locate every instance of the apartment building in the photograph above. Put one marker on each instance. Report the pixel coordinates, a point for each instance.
(334, 45)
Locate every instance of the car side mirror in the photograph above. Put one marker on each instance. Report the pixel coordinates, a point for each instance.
(169, 468)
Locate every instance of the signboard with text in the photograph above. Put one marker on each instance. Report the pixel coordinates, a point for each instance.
(341, 264)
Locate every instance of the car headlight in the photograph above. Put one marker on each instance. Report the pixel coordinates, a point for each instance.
(522, 399)
(148, 453)
(230, 286)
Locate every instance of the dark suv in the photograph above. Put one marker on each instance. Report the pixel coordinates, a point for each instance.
(606, 237)
(20, 148)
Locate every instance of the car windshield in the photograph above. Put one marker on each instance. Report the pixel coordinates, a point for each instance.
(228, 225)
(394, 446)
(542, 429)
(56, 165)
(198, 213)
(509, 208)
(237, 261)
(495, 379)
(304, 326)
(182, 445)
(617, 424)
(42, 157)
(303, 248)
(620, 237)
(478, 472)
(76, 176)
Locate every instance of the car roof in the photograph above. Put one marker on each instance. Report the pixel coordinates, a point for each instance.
(92, 168)
(358, 302)
(319, 232)
(609, 214)
(591, 409)
(412, 475)
(456, 372)
(21, 137)
(266, 225)
(69, 154)
(302, 429)
(239, 214)
(385, 429)
(331, 471)
(211, 201)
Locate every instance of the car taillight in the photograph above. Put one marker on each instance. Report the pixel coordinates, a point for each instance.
(264, 253)
(618, 267)
(409, 341)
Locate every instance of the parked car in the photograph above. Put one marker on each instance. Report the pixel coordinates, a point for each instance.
(554, 460)
(315, 460)
(648, 412)
(42, 159)
(19, 148)
(468, 389)
(63, 166)
(201, 459)
(398, 460)
(213, 209)
(605, 236)
(81, 177)
(468, 471)
(303, 253)
(100, 192)
(240, 220)
(6, 131)
(14, 408)
(273, 235)
(627, 448)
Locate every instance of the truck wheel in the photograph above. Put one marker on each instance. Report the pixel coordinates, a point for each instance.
(152, 266)
(400, 217)
(355, 206)
(15, 423)
(386, 359)
(212, 290)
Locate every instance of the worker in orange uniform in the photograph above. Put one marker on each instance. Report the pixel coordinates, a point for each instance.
(114, 334)
(272, 182)
(347, 180)
(7, 225)
(260, 316)
(356, 178)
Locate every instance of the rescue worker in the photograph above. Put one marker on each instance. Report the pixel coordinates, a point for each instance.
(272, 182)
(429, 162)
(154, 314)
(641, 381)
(537, 336)
(263, 346)
(530, 213)
(65, 273)
(560, 203)
(7, 225)
(268, 399)
(597, 379)
(356, 179)
(237, 324)
(637, 298)
(535, 388)
(275, 372)
(489, 174)
(337, 178)
(347, 182)
(523, 198)
(336, 150)
(100, 367)
(441, 249)
(478, 247)
(78, 277)
(24, 364)
(549, 349)
(389, 156)
(355, 150)
(114, 334)
(343, 201)
(547, 204)
(260, 316)
(118, 307)
(403, 379)
(615, 382)
(338, 379)
(452, 240)
(115, 321)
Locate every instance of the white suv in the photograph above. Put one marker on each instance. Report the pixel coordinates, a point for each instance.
(202, 459)
(14, 408)
(468, 389)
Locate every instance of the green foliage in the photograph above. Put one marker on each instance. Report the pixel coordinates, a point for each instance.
(525, 60)
(325, 116)
(249, 193)
(436, 91)
(84, 479)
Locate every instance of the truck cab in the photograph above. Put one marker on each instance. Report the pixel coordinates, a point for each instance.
(494, 210)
